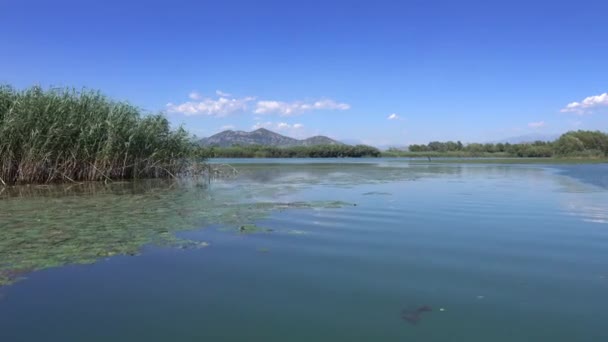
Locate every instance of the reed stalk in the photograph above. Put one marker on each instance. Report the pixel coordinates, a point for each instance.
(67, 135)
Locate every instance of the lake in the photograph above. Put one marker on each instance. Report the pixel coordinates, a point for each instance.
(312, 250)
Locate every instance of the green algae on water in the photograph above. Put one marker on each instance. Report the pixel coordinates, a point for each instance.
(51, 226)
(377, 193)
(252, 228)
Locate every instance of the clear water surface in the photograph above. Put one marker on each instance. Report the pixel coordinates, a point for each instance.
(340, 250)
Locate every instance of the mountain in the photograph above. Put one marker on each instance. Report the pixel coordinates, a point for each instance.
(263, 137)
(319, 140)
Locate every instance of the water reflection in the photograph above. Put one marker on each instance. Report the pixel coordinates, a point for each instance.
(48, 226)
(596, 174)
(355, 173)
(588, 209)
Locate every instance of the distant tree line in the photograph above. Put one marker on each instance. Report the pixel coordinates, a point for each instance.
(574, 143)
(315, 151)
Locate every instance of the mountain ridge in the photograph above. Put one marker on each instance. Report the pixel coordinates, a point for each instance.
(264, 137)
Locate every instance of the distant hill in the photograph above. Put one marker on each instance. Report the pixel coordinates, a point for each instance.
(262, 137)
(319, 140)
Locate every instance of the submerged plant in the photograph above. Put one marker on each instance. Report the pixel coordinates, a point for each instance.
(413, 316)
(252, 228)
(72, 225)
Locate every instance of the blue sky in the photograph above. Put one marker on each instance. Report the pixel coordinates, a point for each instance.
(461, 70)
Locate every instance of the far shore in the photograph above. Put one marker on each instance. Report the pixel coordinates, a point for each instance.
(420, 159)
(513, 160)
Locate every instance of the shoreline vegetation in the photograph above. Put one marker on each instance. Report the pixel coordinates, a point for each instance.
(573, 145)
(313, 151)
(64, 135)
(570, 147)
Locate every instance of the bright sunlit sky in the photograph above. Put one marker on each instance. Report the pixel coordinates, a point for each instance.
(377, 72)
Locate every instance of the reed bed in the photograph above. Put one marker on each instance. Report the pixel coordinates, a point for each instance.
(67, 135)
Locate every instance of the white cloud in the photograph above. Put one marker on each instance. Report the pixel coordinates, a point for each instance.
(587, 104)
(277, 126)
(298, 107)
(194, 95)
(222, 94)
(538, 124)
(227, 127)
(393, 116)
(211, 107)
(226, 104)
(258, 125)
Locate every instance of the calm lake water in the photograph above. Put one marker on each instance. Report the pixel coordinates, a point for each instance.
(312, 250)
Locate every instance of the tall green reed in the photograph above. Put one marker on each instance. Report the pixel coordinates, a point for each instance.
(68, 135)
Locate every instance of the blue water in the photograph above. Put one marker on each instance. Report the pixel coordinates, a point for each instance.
(498, 252)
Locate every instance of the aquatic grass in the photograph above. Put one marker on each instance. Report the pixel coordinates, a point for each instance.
(68, 135)
(253, 228)
(57, 225)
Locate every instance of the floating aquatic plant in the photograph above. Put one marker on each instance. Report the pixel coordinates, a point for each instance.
(252, 228)
(56, 226)
(377, 193)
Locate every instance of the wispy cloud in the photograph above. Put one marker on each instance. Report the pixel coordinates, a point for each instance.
(227, 127)
(393, 116)
(298, 107)
(220, 107)
(225, 104)
(587, 104)
(258, 125)
(194, 95)
(222, 94)
(538, 124)
(283, 125)
(277, 126)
